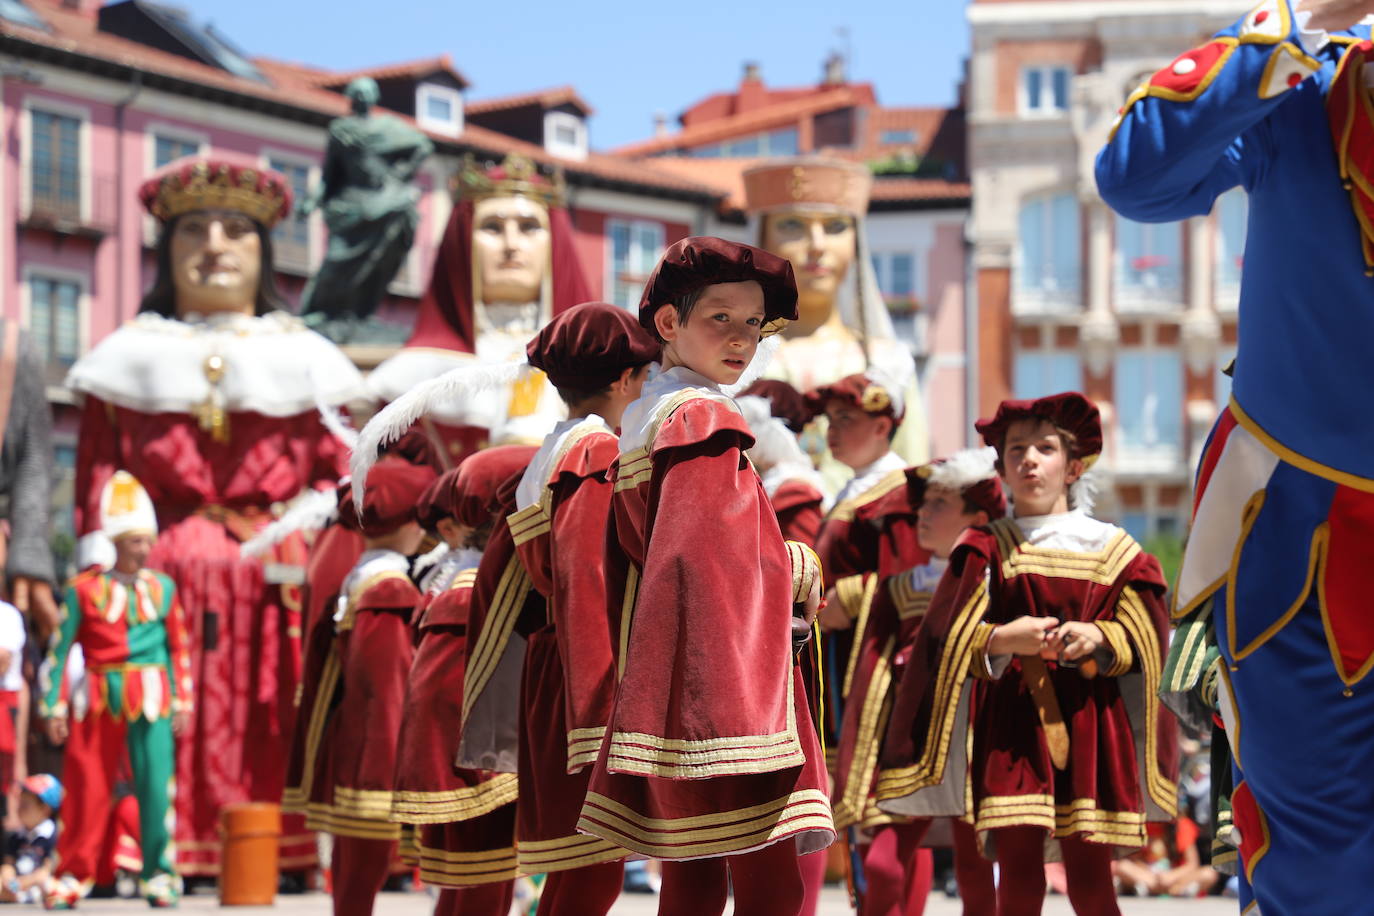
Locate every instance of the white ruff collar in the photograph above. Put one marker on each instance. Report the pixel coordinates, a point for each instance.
(542, 465)
(372, 562)
(641, 416)
(865, 478)
(1074, 530)
(273, 365)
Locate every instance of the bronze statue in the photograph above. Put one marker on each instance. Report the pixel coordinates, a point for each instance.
(369, 207)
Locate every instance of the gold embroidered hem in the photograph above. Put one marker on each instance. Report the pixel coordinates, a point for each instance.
(844, 511)
(855, 594)
(363, 804)
(680, 758)
(911, 603)
(325, 818)
(565, 853)
(583, 746)
(454, 805)
(296, 799)
(1081, 817)
(464, 869)
(1123, 658)
(722, 833)
(1101, 568)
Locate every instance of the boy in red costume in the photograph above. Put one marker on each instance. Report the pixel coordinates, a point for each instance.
(1028, 708)
(356, 714)
(597, 357)
(950, 495)
(710, 760)
(462, 817)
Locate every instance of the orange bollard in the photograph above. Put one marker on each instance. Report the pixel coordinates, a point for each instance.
(248, 862)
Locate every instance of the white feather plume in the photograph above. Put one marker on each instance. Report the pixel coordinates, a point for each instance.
(964, 468)
(333, 420)
(763, 356)
(393, 421)
(1083, 491)
(311, 511)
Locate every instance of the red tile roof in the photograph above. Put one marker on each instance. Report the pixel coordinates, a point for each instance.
(415, 69)
(753, 121)
(546, 98)
(294, 91)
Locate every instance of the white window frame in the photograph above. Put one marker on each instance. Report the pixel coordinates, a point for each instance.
(1038, 301)
(918, 270)
(84, 168)
(1164, 458)
(633, 226)
(423, 93)
(1226, 296)
(553, 120)
(82, 279)
(314, 224)
(1046, 71)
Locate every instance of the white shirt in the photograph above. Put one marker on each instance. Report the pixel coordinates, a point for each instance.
(867, 477)
(12, 639)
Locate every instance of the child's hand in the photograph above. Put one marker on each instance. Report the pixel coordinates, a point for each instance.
(1023, 636)
(57, 730)
(1074, 640)
(833, 616)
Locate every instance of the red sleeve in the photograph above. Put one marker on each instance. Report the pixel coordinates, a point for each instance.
(377, 654)
(178, 651)
(798, 505)
(97, 459)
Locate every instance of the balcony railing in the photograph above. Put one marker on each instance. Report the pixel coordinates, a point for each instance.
(70, 203)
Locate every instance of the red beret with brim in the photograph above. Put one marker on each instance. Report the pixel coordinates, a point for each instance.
(1067, 410)
(433, 506)
(588, 346)
(394, 487)
(471, 494)
(859, 391)
(694, 263)
(786, 403)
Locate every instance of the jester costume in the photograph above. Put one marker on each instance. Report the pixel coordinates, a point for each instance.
(1274, 577)
(138, 673)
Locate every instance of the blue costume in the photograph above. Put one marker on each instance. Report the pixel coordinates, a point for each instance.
(1277, 568)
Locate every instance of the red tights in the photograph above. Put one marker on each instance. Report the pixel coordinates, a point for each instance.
(812, 867)
(587, 891)
(767, 882)
(898, 871)
(973, 873)
(480, 900)
(1021, 861)
(359, 868)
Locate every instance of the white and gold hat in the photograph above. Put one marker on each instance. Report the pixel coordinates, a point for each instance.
(126, 508)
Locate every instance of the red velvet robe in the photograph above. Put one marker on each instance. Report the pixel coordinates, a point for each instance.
(711, 750)
(245, 637)
(456, 811)
(570, 661)
(880, 542)
(356, 717)
(798, 507)
(967, 744)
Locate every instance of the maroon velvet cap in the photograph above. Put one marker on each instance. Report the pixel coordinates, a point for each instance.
(693, 263)
(787, 403)
(588, 346)
(433, 505)
(471, 493)
(858, 390)
(394, 486)
(1068, 410)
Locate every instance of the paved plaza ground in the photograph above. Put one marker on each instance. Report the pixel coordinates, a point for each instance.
(834, 904)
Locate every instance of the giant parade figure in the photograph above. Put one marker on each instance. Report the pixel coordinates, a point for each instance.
(506, 265)
(1283, 521)
(209, 397)
(812, 211)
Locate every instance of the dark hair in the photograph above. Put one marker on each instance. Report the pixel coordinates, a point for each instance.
(162, 298)
(575, 397)
(1066, 439)
(683, 305)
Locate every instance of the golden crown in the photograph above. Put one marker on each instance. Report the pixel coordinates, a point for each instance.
(203, 184)
(516, 176)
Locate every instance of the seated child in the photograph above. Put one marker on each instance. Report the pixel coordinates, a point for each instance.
(28, 851)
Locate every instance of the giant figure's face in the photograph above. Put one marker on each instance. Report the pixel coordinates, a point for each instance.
(510, 248)
(216, 259)
(820, 246)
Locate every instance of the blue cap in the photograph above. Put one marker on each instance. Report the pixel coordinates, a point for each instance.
(46, 787)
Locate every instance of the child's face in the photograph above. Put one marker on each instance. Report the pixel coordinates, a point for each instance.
(32, 811)
(941, 519)
(855, 438)
(452, 532)
(1037, 469)
(721, 333)
(132, 550)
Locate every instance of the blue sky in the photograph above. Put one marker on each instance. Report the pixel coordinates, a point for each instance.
(628, 59)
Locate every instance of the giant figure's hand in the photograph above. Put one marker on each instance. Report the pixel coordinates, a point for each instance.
(1334, 15)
